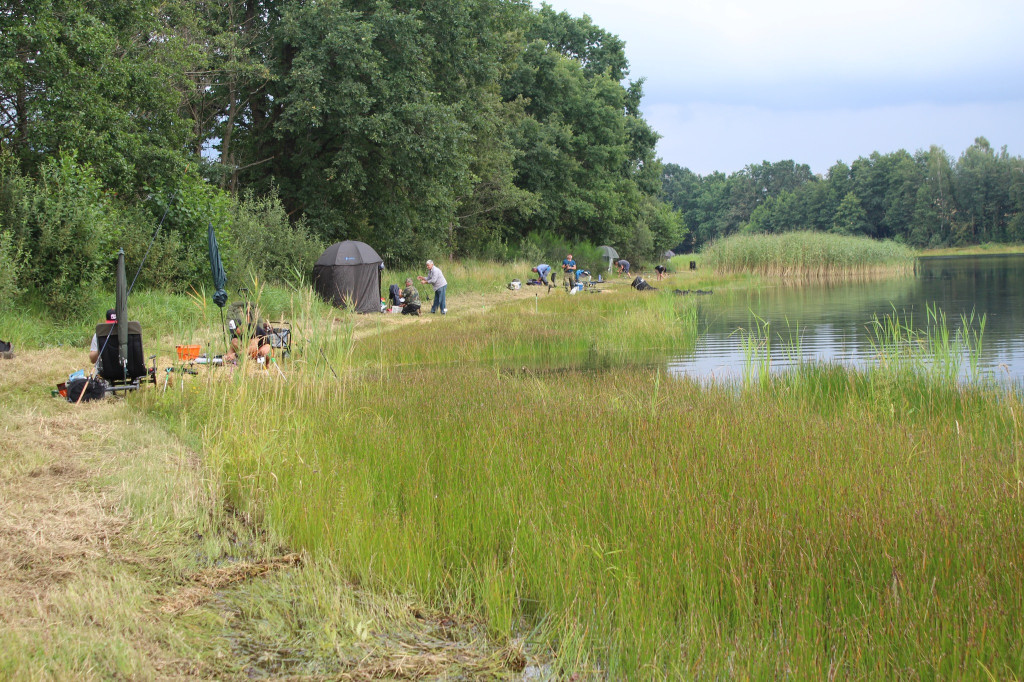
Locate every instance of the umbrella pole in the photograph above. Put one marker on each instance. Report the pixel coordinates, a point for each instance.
(223, 330)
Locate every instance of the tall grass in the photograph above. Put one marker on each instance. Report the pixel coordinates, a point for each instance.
(823, 523)
(851, 526)
(808, 255)
(592, 330)
(937, 351)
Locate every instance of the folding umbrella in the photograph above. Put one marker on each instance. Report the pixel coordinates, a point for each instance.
(121, 309)
(220, 278)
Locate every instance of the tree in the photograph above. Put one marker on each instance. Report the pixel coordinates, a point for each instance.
(850, 218)
(93, 78)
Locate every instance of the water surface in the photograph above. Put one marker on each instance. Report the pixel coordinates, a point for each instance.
(829, 321)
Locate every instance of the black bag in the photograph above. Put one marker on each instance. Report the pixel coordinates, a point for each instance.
(641, 285)
(88, 389)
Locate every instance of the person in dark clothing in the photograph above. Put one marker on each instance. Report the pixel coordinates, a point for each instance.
(661, 270)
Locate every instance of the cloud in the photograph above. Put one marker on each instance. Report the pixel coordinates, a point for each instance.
(724, 50)
(710, 137)
(733, 82)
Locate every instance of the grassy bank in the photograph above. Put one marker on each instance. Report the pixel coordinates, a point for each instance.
(521, 477)
(808, 255)
(826, 522)
(120, 558)
(585, 330)
(868, 525)
(975, 250)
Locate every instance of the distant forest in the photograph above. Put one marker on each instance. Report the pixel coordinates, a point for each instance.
(926, 199)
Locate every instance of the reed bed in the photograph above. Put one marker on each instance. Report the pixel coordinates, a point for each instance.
(822, 523)
(809, 255)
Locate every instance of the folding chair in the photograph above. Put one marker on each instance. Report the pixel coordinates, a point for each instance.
(128, 377)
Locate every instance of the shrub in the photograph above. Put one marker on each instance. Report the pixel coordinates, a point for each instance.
(11, 259)
(265, 242)
(56, 233)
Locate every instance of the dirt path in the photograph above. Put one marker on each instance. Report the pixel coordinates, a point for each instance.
(118, 560)
(100, 514)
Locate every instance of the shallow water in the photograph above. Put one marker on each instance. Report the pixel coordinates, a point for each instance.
(829, 322)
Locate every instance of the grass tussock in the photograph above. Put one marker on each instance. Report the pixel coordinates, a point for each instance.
(808, 255)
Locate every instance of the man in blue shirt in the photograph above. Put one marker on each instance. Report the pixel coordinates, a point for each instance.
(543, 270)
(568, 272)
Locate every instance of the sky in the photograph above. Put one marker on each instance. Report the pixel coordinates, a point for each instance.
(735, 82)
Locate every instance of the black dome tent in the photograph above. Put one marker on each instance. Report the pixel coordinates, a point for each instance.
(349, 272)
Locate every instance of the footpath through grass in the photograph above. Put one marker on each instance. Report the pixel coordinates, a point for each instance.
(120, 559)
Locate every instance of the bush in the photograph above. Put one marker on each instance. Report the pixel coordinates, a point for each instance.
(265, 242)
(547, 247)
(190, 206)
(11, 260)
(57, 233)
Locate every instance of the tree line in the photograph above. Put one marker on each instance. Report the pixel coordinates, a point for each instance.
(426, 128)
(925, 199)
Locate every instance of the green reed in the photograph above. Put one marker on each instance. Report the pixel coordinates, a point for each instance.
(937, 350)
(824, 522)
(808, 255)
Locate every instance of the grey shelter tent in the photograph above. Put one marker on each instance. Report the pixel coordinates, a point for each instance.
(349, 272)
(610, 253)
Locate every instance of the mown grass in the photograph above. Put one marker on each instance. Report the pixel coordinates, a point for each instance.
(808, 255)
(823, 523)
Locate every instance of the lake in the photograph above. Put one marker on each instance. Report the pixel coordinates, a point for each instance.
(831, 320)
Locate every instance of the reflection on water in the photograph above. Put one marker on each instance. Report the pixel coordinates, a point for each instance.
(829, 322)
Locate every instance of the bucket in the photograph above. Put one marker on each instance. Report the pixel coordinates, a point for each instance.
(187, 353)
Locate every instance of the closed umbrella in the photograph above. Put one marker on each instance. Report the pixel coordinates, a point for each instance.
(220, 278)
(121, 310)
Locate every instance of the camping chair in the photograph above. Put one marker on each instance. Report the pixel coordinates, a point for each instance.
(281, 339)
(394, 295)
(129, 377)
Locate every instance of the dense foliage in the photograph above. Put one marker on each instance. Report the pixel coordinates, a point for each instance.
(437, 128)
(924, 199)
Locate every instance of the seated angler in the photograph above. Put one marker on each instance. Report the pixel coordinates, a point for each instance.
(411, 306)
(94, 347)
(258, 332)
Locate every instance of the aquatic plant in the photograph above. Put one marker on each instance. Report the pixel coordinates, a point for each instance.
(808, 255)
